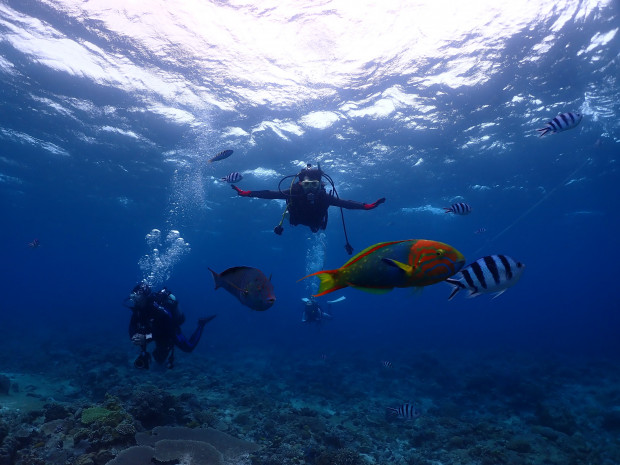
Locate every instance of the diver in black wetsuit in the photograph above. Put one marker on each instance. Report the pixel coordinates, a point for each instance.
(313, 312)
(156, 317)
(307, 201)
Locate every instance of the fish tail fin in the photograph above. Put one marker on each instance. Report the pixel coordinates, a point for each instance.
(543, 131)
(329, 281)
(216, 278)
(456, 286)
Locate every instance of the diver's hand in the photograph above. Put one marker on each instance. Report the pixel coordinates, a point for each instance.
(370, 206)
(241, 192)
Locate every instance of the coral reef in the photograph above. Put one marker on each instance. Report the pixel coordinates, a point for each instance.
(477, 410)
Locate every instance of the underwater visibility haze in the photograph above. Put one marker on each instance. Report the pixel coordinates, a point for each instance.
(124, 126)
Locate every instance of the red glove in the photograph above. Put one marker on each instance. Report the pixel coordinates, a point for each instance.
(370, 206)
(242, 193)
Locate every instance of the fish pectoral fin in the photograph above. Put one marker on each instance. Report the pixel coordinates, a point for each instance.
(243, 291)
(497, 294)
(372, 290)
(395, 263)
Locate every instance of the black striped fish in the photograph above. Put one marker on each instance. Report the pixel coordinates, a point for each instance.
(562, 122)
(220, 156)
(386, 364)
(406, 411)
(232, 177)
(492, 274)
(460, 208)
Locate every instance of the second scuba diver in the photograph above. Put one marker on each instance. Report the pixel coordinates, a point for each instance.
(307, 201)
(156, 317)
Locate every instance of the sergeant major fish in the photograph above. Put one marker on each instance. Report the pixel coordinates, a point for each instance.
(492, 274)
(562, 122)
(249, 285)
(460, 208)
(232, 177)
(406, 411)
(220, 156)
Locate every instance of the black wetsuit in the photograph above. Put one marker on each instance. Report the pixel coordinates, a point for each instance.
(164, 324)
(308, 208)
(312, 313)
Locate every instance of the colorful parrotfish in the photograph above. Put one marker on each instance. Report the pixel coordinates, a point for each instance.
(384, 266)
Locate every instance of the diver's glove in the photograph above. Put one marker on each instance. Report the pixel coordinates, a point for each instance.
(241, 192)
(370, 206)
(141, 339)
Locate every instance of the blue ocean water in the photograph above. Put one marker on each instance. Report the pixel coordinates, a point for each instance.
(110, 111)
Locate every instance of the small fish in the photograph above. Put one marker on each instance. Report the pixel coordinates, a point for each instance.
(34, 244)
(220, 156)
(562, 122)
(460, 208)
(249, 285)
(386, 265)
(492, 274)
(480, 231)
(407, 411)
(386, 364)
(232, 177)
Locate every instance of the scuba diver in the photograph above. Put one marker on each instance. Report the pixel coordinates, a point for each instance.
(307, 201)
(312, 312)
(156, 317)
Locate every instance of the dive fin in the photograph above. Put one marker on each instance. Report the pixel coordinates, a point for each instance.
(205, 320)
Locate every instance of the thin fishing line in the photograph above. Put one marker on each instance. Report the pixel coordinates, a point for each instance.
(533, 207)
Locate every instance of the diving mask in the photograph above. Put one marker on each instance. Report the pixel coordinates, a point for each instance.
(310, 184)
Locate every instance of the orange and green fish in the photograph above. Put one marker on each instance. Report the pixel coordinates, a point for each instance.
(384, 266)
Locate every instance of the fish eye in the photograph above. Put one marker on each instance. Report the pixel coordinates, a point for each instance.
(440, 252)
